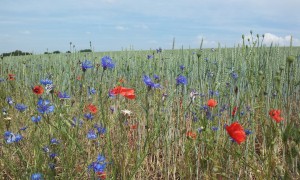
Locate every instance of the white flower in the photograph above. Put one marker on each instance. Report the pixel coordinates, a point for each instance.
(126, 112)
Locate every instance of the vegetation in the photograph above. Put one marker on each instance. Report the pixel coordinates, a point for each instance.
(162, 114)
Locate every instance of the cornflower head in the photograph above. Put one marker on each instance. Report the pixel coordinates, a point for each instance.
(91, 134)
(107, 63)
(148, 81)
(36, 176)
(63, 95)
(46, 82)
(86, 65)
(89, 116)
(182, 67)
(181, 80)
(91, 90)
(100, 129)
(9, 100)
(36, 119)
(149, 56)
(54, 141)
(44, 107)
(20, 107)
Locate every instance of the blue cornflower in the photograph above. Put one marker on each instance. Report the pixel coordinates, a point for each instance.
(88, 116)
(99, 165)
(20, 107)
(159, 50)
(63, 95)
(200, 129)
(204, 107)
(52, 166)
(23, 128)
(53, 155)
(101, 158)
(214, 93)
(100, 130)
(9, 100)
(36, 176)
(149, 56)
(36, 119)
(18, 138)
(248, 132)
(234, 75)
(107, 63)
(91, 90)
(147, 80)
(156, 77)
(182, 67)
(86, 65)
(11, 137)
(54, 141)
(91, 134)
(181, 80)
(46, 82)
(44, 106)
(214, 128)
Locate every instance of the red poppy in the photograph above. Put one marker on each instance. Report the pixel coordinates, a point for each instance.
(78, 78)
(236, 132)
(38, 90)
(92, 108)
(191, 135)
(101, 175)
(275, 114)
(234, 111)
(11, 77)
(126, 92)
(133, 127)
(212, 103)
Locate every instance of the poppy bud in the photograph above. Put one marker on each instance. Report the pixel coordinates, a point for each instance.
(290, 59)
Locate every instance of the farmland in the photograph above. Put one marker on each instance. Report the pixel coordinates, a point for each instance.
(156, 114)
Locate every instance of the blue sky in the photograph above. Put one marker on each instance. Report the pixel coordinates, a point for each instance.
(38, 25)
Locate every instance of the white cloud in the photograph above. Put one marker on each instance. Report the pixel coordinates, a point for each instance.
(281, 41)
(121, 28)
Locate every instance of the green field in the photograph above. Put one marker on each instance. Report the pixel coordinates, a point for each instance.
(170, 133)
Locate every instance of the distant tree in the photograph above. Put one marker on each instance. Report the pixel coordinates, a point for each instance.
(56, 52)
(47, 53)
(68, 52)
(16, 53)
(86, 50)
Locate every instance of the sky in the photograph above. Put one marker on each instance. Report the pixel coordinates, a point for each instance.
(112, 25)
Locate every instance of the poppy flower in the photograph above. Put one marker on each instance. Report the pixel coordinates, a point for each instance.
(11, 77)
(212, 103)
(101, 175)
(92, 108)
(38, 90)
(275, 114)
(234, 111)
(191, 135)
(126, 92)
(236, 132)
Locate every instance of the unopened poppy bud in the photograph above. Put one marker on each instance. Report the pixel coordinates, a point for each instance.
(281, 68)
(290, 59)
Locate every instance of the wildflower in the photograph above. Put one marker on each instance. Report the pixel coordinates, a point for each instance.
(200, 129)
(234, 75)
(99, 165)
(234, 111)
(54, 141)
(76, 122)
(11, 137)
(147, 80)
(156, 77)
(126, 92)
(38, 90)
(91, 134)
(212, 103)
(44, 106)
(63, 95)
(2, 80)
(36, 119)
(182, 67)
(92, 108)
(159, 50)
(107, 63)
(53, 155)
(46, 82)
(236, 132)
(149, 56)
(91, 91)
(214, 128)
(20, 107)
(126, 112)
(86, 65)
(181, 80)
(9, 100)
(100, 130)
(23, 128)
(88, 116)
(11, 77)
(36, 176)
(275, 115)
(49, 88)
(191, 135)
(52, 166)
(248, 132)
(46, 149)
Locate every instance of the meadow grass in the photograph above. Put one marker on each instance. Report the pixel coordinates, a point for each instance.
(152, 141)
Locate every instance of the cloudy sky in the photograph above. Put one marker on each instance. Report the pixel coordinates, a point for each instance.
(38, 25)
